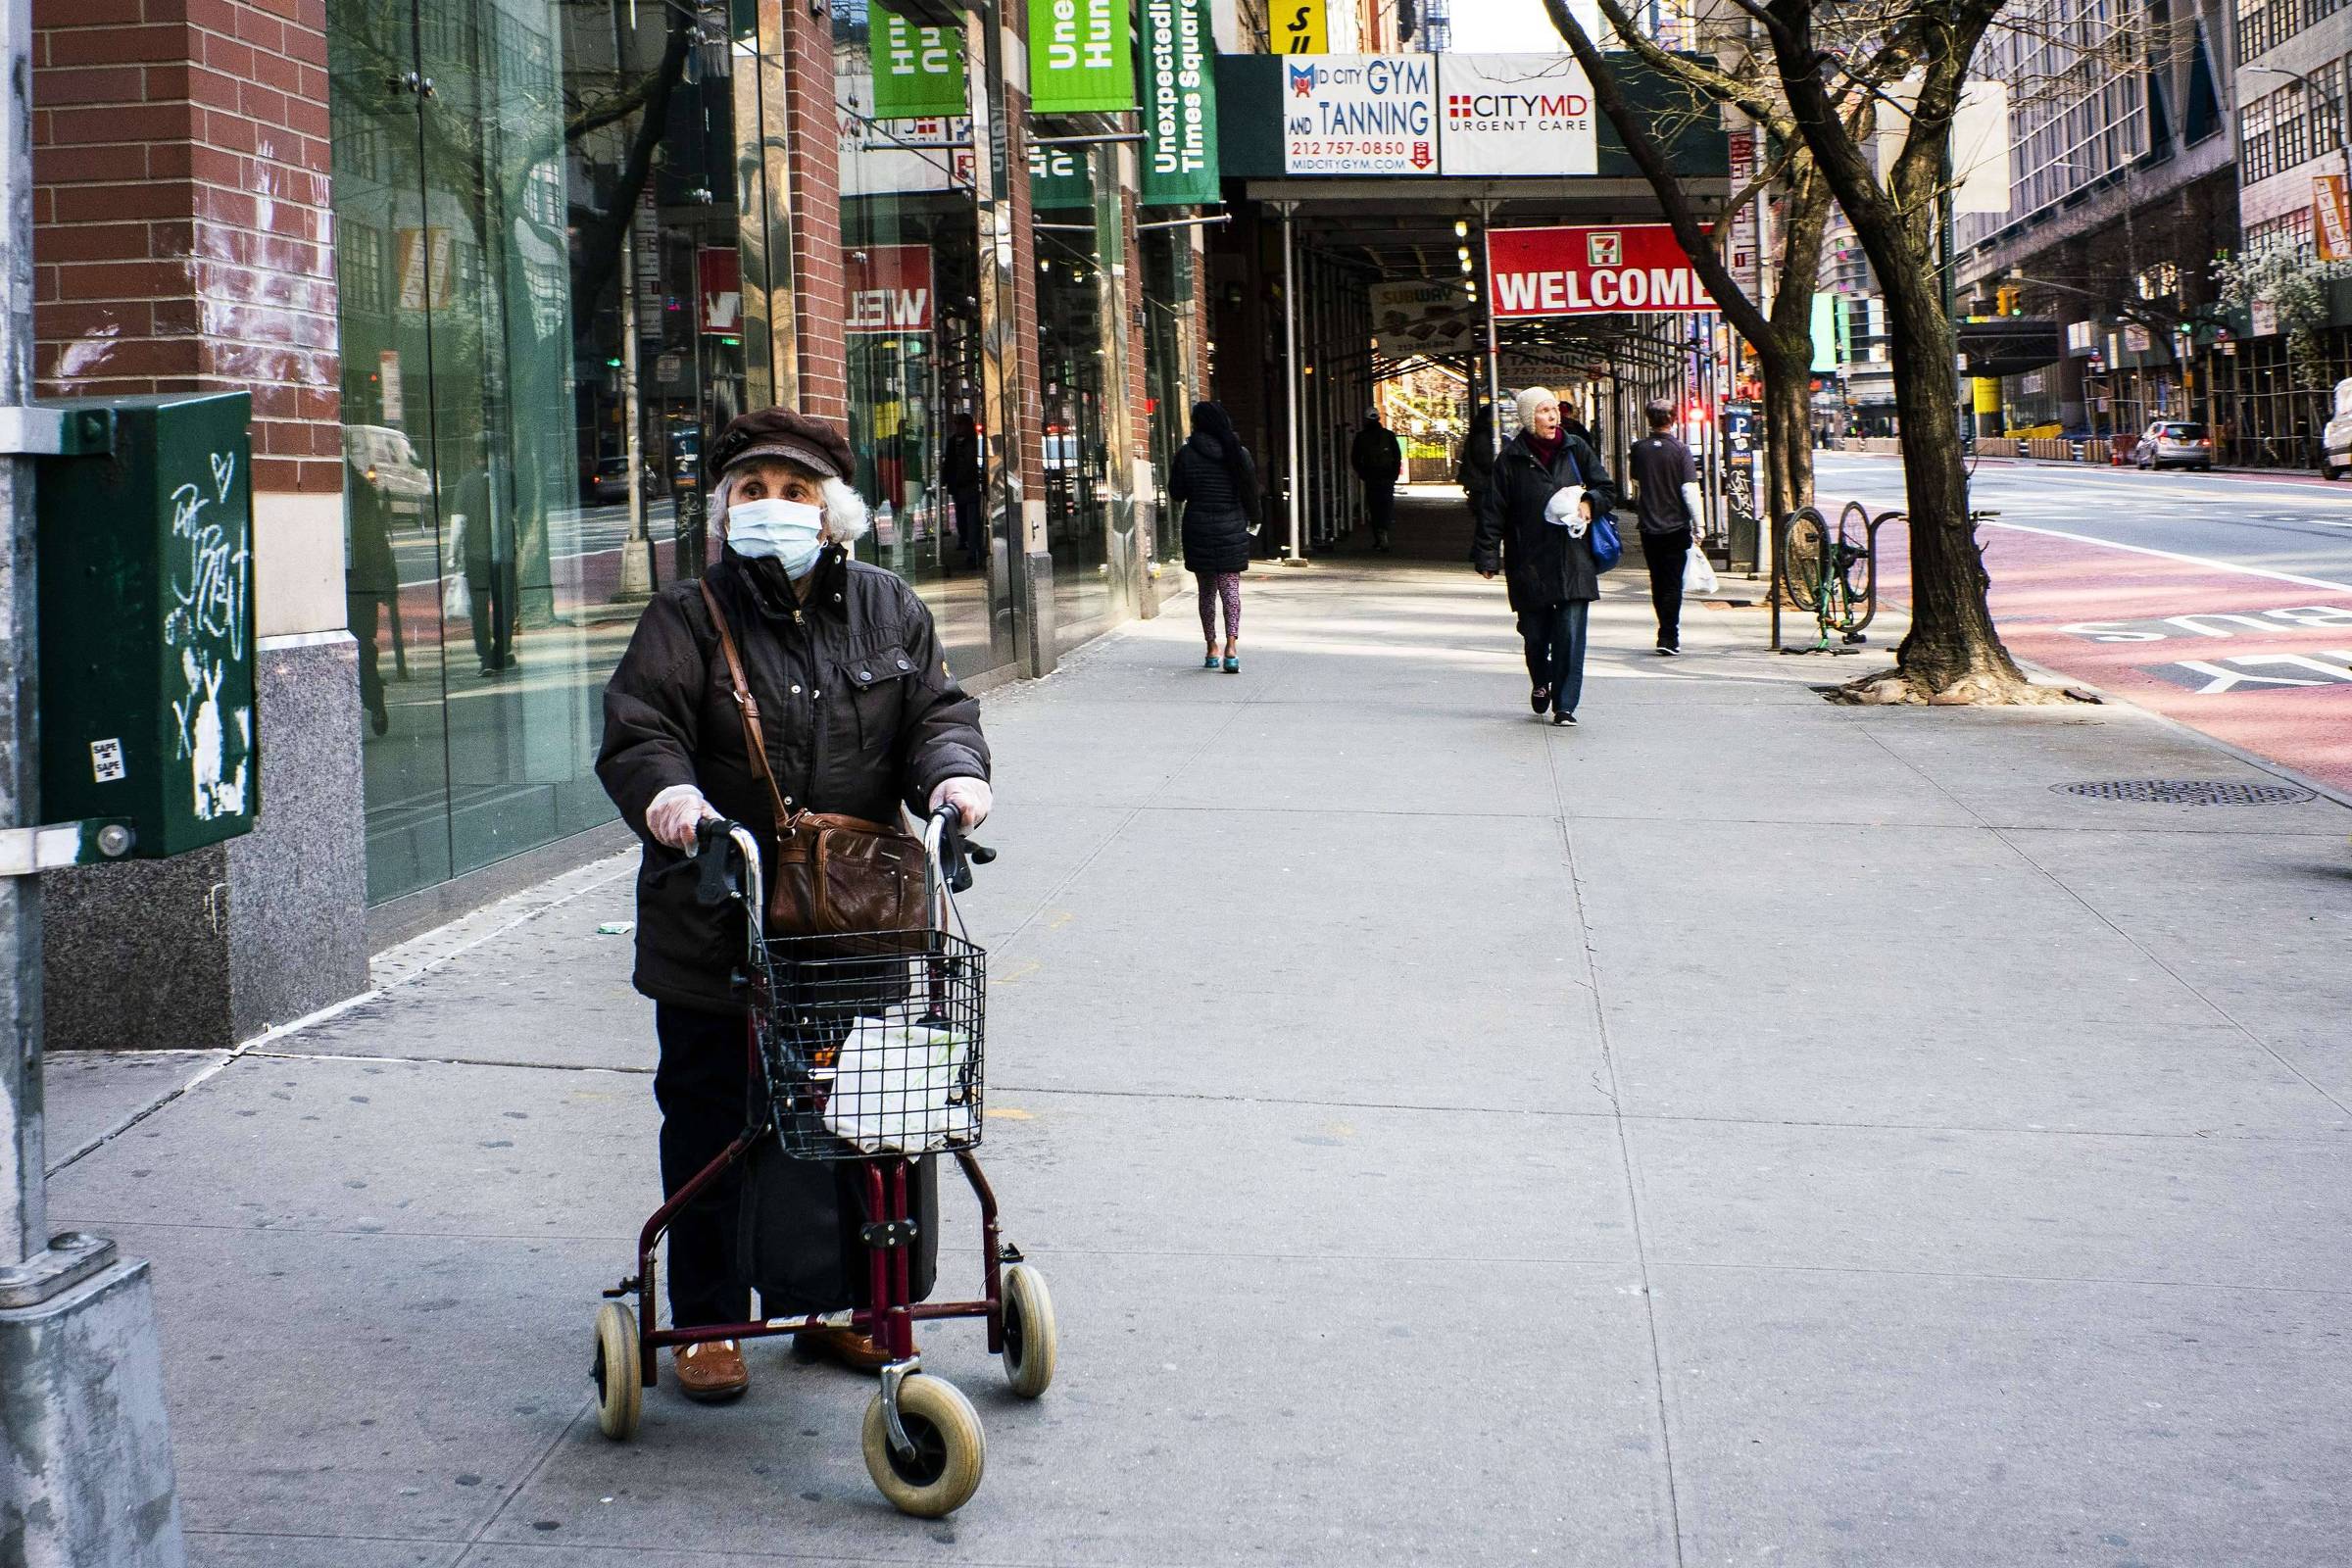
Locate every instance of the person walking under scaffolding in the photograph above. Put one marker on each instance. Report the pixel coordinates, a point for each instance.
(1666, 493)
(1535, 528)
(1213, 479)
(1378, 459)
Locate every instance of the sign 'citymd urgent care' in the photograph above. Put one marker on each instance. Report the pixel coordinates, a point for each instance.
(1601, 271)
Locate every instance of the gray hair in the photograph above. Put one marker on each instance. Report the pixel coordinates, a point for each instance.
(1530, 399)
(845, 517)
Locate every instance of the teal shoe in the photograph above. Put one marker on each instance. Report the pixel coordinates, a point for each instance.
(1233, 666)
(1209, 663)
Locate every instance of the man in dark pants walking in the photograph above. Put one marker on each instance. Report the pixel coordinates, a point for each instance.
(965, 480)
(1669, 505)
(1378, 460)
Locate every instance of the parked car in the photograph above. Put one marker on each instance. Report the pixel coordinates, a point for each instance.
(2174, 444)
(2335, 442)
(609, 482)
(382, 457)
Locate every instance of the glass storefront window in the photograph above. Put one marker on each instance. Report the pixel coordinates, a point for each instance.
(543, 308)
(909, 233)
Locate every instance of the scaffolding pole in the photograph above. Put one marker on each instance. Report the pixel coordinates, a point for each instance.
(1290, 352)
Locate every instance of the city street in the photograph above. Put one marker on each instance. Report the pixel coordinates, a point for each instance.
(1739, 1129)
(2222, 601)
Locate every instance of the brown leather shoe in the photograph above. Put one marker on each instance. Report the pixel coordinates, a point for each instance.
(860, 1352)
(713, 1371)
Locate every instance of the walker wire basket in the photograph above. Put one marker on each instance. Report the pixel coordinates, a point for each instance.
(871, 1043)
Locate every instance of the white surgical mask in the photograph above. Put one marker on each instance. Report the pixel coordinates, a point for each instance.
(788, 531)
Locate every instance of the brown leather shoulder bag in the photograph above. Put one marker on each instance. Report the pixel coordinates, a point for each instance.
(833, 874)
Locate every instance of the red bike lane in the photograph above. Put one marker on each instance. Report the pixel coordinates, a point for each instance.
(2261, 661)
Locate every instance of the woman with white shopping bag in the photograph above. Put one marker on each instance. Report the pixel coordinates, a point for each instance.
(1667, 498)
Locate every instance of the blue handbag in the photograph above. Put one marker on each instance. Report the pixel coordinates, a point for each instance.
(1607, 548)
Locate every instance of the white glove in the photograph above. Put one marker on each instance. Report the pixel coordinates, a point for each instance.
(675, 813)
(972, 798)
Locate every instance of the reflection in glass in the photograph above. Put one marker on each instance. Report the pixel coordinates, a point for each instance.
(909, 227)
(541, 310)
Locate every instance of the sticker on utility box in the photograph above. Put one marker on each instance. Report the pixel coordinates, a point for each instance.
(105, 761)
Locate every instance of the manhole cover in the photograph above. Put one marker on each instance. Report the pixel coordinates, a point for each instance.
(2188, 792)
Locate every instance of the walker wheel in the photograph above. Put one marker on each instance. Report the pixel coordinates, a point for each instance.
(1031, 1340)
(950, 1449)
(619, 1372)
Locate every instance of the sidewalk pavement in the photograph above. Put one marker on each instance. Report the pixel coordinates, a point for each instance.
(1739, 1129)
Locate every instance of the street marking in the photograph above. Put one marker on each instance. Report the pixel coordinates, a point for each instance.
(2293, 617)
(2175, 555)
(2219, 679)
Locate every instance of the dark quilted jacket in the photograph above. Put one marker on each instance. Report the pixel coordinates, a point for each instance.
(859, 712)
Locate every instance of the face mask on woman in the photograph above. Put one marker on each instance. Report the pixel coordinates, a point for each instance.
(786, 531)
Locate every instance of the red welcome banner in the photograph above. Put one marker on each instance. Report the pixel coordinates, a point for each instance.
(1602, 270)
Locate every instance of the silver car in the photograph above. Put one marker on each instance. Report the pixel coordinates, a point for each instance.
(2175, 444)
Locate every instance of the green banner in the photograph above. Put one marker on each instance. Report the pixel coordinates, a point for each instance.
(918, 70)
(1180, 104)
(1081, 60)
(1058, 179)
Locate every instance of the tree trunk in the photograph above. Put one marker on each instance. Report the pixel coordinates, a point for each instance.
(1788, 360)
(1952, 651)
(1788, 420)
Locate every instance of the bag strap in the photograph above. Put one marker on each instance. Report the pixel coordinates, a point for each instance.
(747, 705)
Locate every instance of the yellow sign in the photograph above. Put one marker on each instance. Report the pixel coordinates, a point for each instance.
(1299, 28)
(2331, 225)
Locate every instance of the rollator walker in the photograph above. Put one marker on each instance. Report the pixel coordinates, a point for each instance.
(867, 1049)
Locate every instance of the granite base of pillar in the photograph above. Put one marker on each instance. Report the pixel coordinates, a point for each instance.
(212, 947)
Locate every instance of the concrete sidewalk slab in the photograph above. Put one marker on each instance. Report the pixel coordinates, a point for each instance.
(1738, 1128)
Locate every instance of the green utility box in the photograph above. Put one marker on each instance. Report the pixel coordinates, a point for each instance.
(145, 562)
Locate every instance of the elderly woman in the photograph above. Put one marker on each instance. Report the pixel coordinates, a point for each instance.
(861, 716)
(1542, 545)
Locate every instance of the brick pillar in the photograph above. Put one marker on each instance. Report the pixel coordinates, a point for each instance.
(182, 242)
(821, 291)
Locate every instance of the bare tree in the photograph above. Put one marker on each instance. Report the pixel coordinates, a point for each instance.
(1952, 651)
(1783, 331)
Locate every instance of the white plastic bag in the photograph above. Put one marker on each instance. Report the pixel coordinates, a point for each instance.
(457, 604)
(1699, 574)
(901, 1087)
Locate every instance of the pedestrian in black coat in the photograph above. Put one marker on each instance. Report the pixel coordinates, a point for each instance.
(1544, 552)
(1377, 458)
(1213, 479)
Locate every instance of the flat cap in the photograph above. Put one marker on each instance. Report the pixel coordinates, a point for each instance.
(814, 444)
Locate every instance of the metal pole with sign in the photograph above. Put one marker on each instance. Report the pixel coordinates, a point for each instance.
(86, 1479)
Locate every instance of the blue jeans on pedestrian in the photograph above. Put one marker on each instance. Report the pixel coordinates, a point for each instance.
(1556, 650)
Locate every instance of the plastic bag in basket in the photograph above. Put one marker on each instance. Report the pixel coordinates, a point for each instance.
(902, 1087)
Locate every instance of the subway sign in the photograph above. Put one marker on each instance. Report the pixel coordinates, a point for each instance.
(1596, 270)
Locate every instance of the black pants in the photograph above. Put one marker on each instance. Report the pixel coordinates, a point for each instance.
(490, 585)
(1556, 650)
(966, 506)
(1379, 506)
(702, 1085)
(1663, 554)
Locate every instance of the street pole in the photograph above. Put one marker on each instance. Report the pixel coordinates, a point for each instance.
(1289, 352)
(23, 1218)
(85, 1480)
(1486, 300)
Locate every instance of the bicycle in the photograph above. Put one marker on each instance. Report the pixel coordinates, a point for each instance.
(1830, 575)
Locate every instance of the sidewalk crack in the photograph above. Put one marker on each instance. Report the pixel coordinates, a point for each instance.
(1624, 1152)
